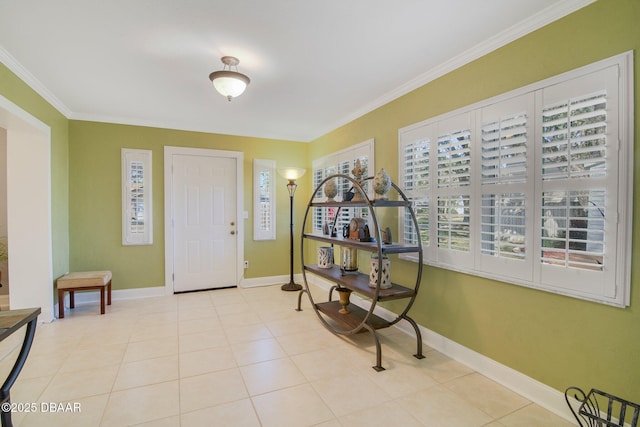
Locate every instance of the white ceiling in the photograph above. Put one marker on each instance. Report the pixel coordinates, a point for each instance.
(314, 65)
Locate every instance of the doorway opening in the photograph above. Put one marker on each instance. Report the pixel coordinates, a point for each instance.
(28, 210)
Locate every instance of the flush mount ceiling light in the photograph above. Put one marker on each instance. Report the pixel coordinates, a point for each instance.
(229, 83)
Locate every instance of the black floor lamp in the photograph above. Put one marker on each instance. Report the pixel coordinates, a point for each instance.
(291, 174)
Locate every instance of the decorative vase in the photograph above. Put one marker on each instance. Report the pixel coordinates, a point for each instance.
(381, 184)
(325, 257)
(344, 295)
(383, 269)
(349, 259)
(330, 190)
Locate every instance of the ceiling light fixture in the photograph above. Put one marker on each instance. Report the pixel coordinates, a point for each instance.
(229, 83)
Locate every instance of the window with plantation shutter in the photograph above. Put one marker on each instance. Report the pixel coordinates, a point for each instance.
(452, 214)
(415, 179)
(137, 216)
(341, 162)
(264, 206)
(532, 187)
(506, 155)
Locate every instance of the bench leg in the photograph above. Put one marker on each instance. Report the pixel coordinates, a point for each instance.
(60, 304)
(109, 293)
(72, 300)
(102, 300)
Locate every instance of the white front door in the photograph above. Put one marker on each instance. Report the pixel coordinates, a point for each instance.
(204, 195)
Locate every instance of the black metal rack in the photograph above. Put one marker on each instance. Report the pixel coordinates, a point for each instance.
(600, 409)
(359, 319)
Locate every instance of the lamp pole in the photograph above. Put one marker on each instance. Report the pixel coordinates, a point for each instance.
(292, 285)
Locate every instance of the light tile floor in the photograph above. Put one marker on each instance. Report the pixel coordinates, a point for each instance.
(244, 357)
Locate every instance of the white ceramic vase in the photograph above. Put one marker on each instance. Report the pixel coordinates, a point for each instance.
(325, 257)
(385, 273)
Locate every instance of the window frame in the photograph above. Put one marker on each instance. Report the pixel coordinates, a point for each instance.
(143, 233)
(261, 167)
(619, 181)
(331, 164)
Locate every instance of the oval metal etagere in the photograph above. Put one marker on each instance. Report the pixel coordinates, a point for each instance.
(359, 319)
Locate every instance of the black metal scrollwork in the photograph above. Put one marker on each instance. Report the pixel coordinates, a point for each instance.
(589, 412)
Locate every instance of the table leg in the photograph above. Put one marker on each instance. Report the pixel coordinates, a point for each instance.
(60, 304)
(5, 416)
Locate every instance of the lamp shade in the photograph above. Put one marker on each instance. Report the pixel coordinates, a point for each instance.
(291, 173)
(229, 83)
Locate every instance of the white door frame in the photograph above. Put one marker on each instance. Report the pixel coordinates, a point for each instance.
(168, 207)
(28, 210)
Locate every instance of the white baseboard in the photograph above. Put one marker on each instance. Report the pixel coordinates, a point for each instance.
(531, 389)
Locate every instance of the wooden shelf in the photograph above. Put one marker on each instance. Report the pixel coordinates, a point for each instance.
(359, 282)
(362, 204)
(352, 319)
(393, 248)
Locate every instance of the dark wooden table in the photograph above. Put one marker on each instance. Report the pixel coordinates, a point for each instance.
(10, 322)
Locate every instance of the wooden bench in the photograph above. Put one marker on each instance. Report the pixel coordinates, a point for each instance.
(83, 281)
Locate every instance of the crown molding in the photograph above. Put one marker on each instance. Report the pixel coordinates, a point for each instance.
(539, 20)
(522, 28)
(16, 68)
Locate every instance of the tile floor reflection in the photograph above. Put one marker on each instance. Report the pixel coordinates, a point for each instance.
(245, 358)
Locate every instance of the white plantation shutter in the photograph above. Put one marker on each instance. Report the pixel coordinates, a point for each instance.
(532, 187)
(573, 229)
(264, 203)
(454, 158)
(574, 137)
(506, 176)
(137, 216)
(341, 162)
(344, 185)
(318, 219)
(579, 193)
(415, 182)
(504, 149)
(503, 225)
(454, 227)
(452, 215)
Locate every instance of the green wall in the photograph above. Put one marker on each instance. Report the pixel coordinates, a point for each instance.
(557, 340)
(96, 199)
(18, 92)
(554, 339)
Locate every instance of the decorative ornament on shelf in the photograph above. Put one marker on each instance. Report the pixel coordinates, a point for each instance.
(330, 190)
(381, 184)
(357, 173)
(344, 294)
(349, 259)
(387, 237)
(384, 269)
(347, 196)
(325, 257)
